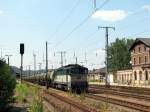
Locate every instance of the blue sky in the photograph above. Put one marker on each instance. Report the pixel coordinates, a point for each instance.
(32, 22)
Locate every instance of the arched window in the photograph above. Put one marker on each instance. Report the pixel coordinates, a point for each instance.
(139, 60)
(135, 76)
(140, 75)
(146, 75)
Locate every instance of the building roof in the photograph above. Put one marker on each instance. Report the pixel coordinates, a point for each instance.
(98, 71)
(145, 41)
(72, 66)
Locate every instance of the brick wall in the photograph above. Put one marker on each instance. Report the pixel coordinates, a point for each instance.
(140, 54)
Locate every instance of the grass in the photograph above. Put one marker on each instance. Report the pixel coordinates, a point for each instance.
(21, 93)
(82, 97)
(37, 104)
(103, 107)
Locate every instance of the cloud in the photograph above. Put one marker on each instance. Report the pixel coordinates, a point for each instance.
(1, 12)
(110, 15)
(146, 7)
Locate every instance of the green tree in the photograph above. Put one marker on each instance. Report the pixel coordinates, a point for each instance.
(7, 84)
(119, 55)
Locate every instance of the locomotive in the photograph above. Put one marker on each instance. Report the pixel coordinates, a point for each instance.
(72, 77)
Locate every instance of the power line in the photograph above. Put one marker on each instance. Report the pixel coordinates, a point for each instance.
(65, 18)
(126, 26)
(80, 24)
(135, 34)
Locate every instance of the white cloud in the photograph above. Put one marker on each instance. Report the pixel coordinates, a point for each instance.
(1, 12)
(146, 7)
(110, 15)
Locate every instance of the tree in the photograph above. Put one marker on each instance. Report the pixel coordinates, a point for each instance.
(7, 84)
(119, 55)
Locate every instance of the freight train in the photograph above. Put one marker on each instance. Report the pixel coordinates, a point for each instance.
(72, 77)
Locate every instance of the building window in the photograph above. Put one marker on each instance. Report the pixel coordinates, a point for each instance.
(146, 75)
(134, 61)
(140, 75)
(144, 48)
(135, 76)
(139, 49)
(133, 50)
(145, 59)
(139, 60)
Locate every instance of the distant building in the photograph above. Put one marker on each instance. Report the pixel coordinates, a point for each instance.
(96, 75)
(15, 71)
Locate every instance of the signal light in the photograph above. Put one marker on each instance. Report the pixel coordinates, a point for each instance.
(21, 48)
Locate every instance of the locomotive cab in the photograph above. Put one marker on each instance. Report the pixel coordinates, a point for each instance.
(79, 79)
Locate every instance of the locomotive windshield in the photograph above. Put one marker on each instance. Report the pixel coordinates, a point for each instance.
(78, 71)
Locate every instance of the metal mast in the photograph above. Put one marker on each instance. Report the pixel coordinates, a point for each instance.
(106, 52)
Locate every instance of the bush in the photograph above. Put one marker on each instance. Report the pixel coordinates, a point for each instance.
(7, 84)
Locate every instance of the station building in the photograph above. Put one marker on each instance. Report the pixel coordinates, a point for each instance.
(140, 58)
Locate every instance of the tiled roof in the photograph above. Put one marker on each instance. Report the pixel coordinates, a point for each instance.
(145, 41)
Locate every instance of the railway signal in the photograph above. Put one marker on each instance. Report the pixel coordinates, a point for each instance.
(21, 52)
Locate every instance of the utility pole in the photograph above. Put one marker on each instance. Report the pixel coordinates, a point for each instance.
(85, 59)
(8, 58)
(76, 58)
(40, 64)
(46, 65)
(65, 57)
(61, 58)
(94, 4)
(1, 53)
(106, 52)
(43, 58)
(29, 70)
(61, 54)
(34, 55)
(26, 72)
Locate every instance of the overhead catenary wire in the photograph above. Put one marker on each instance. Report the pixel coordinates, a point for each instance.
(126, 26)
(65, 18)
(80, 24)
(138, 33)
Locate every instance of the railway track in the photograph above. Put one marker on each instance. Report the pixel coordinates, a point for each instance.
(119, 93)
(145, 91)
(83, 108)
(77, 105)
(128, 104)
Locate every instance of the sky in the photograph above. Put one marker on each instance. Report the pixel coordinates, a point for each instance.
(70, 26)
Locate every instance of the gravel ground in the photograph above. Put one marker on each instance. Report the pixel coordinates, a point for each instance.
(99, 105)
